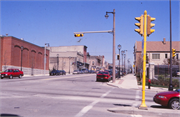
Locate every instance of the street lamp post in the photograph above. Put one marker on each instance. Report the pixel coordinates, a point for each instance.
(21, 55)
(170, 80)
(45, 56)
(122, 52)
(113, 41)
(57, 61)
(69, 64)
(124, 62)
(119, 48)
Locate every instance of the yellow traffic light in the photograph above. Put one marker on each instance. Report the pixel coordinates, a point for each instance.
(173, 52)
(150, 25)
(78, 35)
(118, 57)
(140, 25)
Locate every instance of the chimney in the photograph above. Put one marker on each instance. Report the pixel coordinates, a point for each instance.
(164, 40)
(6, 35)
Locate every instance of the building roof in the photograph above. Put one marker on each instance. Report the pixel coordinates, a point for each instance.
(158, 45)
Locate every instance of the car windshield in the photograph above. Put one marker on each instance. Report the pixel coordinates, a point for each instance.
(8, 70)
(75, 70)
(103, 72)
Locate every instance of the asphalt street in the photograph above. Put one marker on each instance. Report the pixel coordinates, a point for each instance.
(67, 96)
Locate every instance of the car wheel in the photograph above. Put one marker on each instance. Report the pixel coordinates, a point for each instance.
(10, 77)
(20, 76)
(174, 104)
(1, 77)
(97, 80)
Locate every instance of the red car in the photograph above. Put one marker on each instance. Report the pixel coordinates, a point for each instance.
(169, 99)
(10, 73)
(103, 75)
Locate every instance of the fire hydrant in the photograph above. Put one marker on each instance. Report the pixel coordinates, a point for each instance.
(149, 84)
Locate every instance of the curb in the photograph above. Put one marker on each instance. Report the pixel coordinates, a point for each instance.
(149, 113)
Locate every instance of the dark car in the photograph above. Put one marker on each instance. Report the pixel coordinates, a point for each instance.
(168, 99)
(103, 75)
(62, 72)
(54, 72)
(10, 73)
(176, 73)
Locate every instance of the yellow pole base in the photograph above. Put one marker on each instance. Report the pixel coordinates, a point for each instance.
(143, 107)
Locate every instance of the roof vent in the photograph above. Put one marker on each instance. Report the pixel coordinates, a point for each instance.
(22, 39)
(6, 35)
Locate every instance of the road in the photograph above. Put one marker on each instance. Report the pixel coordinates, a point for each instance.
(66, 96)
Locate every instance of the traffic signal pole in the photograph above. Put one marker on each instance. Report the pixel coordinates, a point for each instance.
(143, 104)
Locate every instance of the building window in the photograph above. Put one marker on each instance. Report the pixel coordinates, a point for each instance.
(155, 56)
(93, 63)
(177, 56)
(165, 55)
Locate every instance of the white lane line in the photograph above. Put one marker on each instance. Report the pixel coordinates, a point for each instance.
(136, 98)
(136, 115)
(88, 107)
(71, 76)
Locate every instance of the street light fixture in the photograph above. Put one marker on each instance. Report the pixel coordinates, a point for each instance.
(119, 48)
(113, 41)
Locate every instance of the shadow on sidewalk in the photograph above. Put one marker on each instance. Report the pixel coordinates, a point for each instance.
(122, 105)
(159, 107)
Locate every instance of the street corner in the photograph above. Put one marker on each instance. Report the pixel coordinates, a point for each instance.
(116, 83)
(112, 84)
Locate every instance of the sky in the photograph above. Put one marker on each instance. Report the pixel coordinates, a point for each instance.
(55, 22)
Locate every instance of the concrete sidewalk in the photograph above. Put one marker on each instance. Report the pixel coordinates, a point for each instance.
(129, 81)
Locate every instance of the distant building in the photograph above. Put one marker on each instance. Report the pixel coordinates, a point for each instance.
(96, 62)
(17, 52)
(158, 53)
(68, 58)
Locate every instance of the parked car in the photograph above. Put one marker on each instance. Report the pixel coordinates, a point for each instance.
(62, 72)
(54, 72)
(10, 73)
(168, 99)
(103, 75)
(76, 72)
(176, 73)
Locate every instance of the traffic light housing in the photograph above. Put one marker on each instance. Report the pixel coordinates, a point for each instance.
(78, 35)
(140, 24)
(150, 25)
(118, 57)
(173, 52)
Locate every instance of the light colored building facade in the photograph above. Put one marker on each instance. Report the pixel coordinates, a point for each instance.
(68, 58)
(158, 53)
(97, 63)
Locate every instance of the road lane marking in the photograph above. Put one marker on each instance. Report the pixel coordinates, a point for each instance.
(88, 107)
(71, 76)
(136, 115)
(136, 98)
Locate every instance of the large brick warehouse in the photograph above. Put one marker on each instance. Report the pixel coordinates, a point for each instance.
(17, 53)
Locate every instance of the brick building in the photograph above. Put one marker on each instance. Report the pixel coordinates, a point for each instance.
(17, 52)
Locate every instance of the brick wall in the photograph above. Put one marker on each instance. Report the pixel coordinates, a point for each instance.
(32, 55)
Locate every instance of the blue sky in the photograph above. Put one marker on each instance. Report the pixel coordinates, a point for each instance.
(55, 22)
